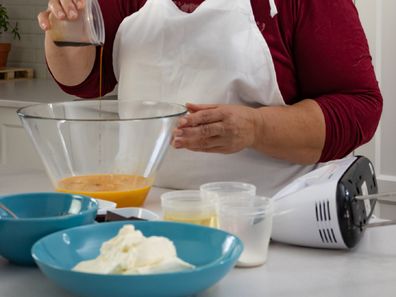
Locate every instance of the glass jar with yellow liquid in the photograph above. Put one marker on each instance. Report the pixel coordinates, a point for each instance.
(188, 206)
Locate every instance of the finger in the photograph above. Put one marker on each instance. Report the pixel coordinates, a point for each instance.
(43, 20)
(80, 4)
(196, 107)
(201, 131)
(215, 144)
(70, 9)
(56, 9)
(202, 145)
(201, 117)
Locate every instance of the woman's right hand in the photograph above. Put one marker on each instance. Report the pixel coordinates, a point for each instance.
(60, 9)
(69, 65)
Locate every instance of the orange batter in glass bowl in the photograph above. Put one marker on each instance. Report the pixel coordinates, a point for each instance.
(106, 149)
(125, 190)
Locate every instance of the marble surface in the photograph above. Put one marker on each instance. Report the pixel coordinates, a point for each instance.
(365, 271)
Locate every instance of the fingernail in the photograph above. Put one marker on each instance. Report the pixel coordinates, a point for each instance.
(43, 26)
(72, 14)
(61, 14)
(178, 132)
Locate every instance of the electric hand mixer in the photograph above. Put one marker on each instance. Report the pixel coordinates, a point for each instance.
(330, 207)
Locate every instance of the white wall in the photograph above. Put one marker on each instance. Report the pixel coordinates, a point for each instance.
(379, 20)
(29, 51)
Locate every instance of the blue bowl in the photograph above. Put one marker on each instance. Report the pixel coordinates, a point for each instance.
(39, 214)
(212, 251)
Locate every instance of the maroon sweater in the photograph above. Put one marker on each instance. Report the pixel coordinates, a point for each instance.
(319, 50)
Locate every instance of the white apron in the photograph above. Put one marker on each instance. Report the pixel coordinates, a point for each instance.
(215, 54)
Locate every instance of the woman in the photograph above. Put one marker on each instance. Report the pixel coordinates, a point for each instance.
(275, 86)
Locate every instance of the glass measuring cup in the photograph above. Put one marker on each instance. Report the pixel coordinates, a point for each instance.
(249, 218)
(87, 29)
(217, 190)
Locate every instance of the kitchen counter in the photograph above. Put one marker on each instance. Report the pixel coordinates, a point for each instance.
(19, 93)
(366, 271)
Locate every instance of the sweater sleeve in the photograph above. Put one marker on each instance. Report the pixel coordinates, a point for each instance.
(333, 67)
(113, 11)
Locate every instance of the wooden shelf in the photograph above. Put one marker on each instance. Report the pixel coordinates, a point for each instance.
(9, 73)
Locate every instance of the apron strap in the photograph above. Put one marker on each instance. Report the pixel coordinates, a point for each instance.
(274, 10)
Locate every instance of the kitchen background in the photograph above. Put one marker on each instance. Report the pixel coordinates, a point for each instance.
(378, 18)
(29, 51)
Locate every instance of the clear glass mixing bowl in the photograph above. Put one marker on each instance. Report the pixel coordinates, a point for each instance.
(105, 149)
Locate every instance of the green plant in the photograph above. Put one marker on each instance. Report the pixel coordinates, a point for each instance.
(5, 25)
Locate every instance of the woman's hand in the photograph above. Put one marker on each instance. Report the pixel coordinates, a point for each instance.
(60, 9)
(294, 133)
(216, 128)
(69, 65)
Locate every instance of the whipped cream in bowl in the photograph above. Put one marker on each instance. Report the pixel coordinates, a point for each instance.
(130, 252)
(137, 258)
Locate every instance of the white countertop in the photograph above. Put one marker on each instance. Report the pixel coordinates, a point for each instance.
(18, 93)
(21, 92)
(366, 271)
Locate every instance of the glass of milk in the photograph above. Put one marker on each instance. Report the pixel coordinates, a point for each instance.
(249, 218)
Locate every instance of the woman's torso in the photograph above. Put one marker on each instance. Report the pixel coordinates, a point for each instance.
(216, 54)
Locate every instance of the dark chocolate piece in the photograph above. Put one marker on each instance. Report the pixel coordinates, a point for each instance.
(100, 218)
(112, 216)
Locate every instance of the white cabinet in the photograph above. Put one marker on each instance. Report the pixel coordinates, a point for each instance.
(16, 149)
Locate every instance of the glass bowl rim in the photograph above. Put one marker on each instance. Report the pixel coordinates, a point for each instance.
(21, 112)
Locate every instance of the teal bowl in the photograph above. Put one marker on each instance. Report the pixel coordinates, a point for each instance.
(212, 251)
(39, 214)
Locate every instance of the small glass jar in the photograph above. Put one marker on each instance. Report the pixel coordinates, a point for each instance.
(187, 206)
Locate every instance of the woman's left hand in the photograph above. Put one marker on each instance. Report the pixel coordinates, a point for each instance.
(216, 128)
